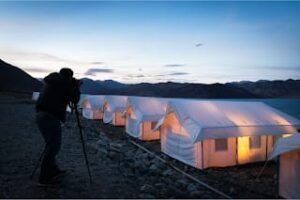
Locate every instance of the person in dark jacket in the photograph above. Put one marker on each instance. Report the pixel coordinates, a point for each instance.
(59, 90)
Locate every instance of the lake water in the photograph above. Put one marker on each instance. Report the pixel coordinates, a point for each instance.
(288, 106)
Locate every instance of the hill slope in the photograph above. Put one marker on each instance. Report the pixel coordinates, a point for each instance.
(15, 79)
(270, 89)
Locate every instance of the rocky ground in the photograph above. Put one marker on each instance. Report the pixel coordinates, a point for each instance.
(119, 169)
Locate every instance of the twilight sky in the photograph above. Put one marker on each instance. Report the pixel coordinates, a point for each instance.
(132, 42)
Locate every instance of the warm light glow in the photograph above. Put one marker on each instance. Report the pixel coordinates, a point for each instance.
(286, 135)
(106, 106)
(146, 132)
(278, 119)
(173, 123)
(243, 149)
(238, 119)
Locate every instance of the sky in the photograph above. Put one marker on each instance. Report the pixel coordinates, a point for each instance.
(154, 41)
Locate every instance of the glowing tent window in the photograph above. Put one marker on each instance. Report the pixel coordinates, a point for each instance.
(221, 144)
(254, 142)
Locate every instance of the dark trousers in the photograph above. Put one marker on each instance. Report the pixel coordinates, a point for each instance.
(50, 129)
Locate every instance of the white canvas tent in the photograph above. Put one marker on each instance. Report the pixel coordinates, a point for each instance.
(92, 106)
(81, 100)
(142, 114)
(113, 108)
(35, 96)
(289, 175)
(221, 133)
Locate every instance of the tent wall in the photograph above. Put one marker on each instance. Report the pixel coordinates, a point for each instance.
(289, 176)
(131, 127)
(141, 130)
(131, 123)
(146, 132)
(85, 104)
(247, 154)
(220, 158)
(180, 148)
(113, 109)
(118, 119)
(176, 143)
(92, 113)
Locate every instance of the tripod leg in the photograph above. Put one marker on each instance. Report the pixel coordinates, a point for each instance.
(37, 164)
(83, 145)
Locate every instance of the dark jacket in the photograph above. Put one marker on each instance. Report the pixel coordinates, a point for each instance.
(58, 91)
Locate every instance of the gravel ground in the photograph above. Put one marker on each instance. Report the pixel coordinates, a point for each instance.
(119, 169)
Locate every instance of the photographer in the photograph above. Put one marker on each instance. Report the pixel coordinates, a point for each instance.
(59, 90)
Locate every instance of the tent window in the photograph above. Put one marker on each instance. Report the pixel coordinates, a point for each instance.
(254, 142)
(221, 144)
(153, 124)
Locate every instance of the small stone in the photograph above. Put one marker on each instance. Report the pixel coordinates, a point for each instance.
(167, 172)
(146, 196)
(115, 147)
(159, 185)
(147, 189)
(154, 168)
(181, 183)
(191, 188)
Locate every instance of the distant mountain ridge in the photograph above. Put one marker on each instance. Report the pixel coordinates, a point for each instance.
(244, 89)
(16, 80)
(270, 89)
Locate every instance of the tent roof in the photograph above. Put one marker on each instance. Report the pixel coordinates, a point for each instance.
(116, 102)
(82, 97)
(95, 101)
(221, 119)
(149, 107)
(284, 145)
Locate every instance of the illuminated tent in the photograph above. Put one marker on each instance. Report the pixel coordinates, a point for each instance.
(289, 175)
(142, 114)
(35, 96)
(92, 106)
(221, 133)
(113, 108)
(81, 100)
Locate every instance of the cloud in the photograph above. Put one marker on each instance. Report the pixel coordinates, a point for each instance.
(42, 57)
(198, 45)
(97, 63)
(136, 76)
(174, 74)
(37, 70)
(94, 71)
(174, 65)
(178, 74)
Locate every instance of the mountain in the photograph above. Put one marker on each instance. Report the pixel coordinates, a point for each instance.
(15, 79)
(187, 90)
(272, 89)
(169, 89)
(90, 86)
(244, 89)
